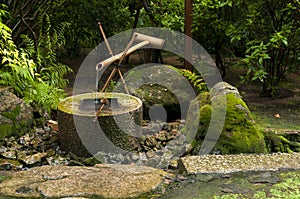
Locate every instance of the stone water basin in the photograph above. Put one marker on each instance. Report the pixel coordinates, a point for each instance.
(117, 127)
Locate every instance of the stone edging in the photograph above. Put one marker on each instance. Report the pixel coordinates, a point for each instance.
(240, 162)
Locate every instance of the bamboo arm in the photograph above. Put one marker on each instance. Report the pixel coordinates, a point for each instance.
(114, 58)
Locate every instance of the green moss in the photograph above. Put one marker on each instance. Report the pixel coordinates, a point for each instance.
(279, 143)
(5, 131)
(288, 188)
(239, 134)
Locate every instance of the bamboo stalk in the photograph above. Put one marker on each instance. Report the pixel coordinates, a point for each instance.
(114, 58)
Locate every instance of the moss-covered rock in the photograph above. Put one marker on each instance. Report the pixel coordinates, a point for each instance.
(281, 142)
(159, 85)
(15, 115)
(240, 133)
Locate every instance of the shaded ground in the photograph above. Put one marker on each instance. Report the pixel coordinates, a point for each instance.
(281, 112)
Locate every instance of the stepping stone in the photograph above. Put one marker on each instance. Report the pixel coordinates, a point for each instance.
(102, 180)
(240, 162)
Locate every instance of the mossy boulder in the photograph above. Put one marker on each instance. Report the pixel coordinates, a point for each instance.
(240, 133)
(15, 115)
(159, 85)
(281, 142)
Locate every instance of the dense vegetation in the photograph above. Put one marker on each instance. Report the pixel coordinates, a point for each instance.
(35, 34)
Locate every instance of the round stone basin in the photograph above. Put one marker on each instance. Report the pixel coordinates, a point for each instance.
(87, 104)
(117, 126)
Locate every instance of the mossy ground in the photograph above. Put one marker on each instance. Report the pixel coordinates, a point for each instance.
(237, 186)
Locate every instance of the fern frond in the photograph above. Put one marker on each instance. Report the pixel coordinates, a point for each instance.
(195, 79)
(29, 45)
(58, 34)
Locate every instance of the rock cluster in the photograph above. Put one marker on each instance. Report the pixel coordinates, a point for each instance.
(36, 148)
(159, 147)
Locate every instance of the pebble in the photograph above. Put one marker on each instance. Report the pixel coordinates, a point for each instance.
(33, 159)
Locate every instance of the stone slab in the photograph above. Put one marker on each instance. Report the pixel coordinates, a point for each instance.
(240, 162)
(105, 181)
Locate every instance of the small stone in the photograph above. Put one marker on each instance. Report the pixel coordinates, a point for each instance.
(24, 190)
(10, 155)
(143, 157)
(134, 157)
(25, 139)
(233, 188)
(36, 142)
(266, 178)
(50, 152)
(151, 142)
(152, 162)
(21, 155)
(33, 159)
(180, 178)
(15, 146)
(115, 158)
(188, 148)
(6, 164)
(205, 177)
(54, 161)
(91, 161)
(174, 132)
(151, 154)
(173, 164)
(3, 149)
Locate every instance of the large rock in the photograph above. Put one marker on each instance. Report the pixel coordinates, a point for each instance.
(15, 114)
(240, 133)
(159, 85)
(104, 181)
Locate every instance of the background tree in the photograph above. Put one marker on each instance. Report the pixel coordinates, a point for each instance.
(263, 34)
(272, 35)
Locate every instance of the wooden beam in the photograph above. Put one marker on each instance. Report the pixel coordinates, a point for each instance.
(188, 33)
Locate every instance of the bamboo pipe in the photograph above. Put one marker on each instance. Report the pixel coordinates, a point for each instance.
(151, 42)
(114, 58)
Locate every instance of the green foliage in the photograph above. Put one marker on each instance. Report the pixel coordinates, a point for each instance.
(170, 13)
(196, 80)
(34, 73)
(264, 33)
(83, 17)
(272, 36)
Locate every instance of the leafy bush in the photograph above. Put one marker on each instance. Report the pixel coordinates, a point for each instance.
(272, 35)
(34, 73)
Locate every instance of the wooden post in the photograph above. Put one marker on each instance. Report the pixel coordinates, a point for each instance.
(188, 33)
